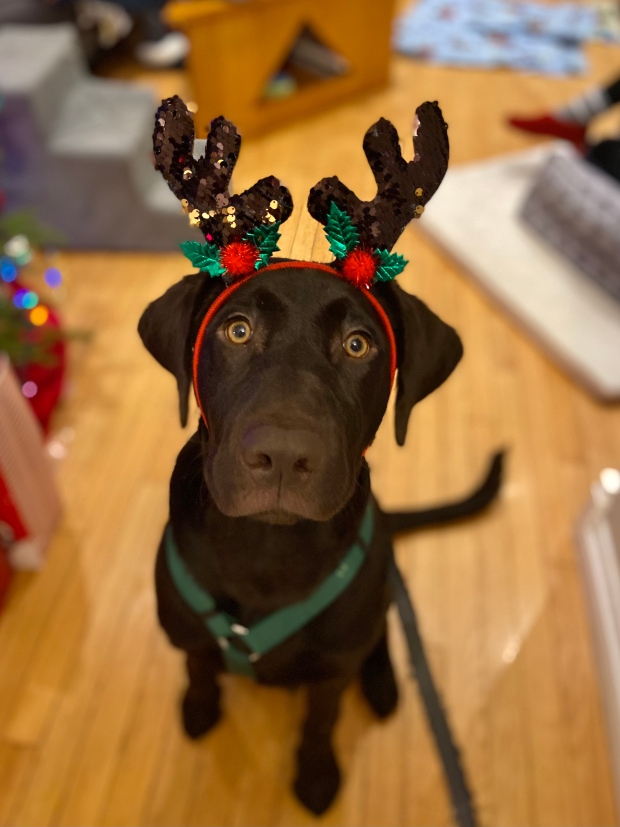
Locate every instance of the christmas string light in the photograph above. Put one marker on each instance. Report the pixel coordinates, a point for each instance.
(8, 271)
(19, 297)
(53, 277)
(19, 249)
(30, 300)
(39, 315)
(29, 389)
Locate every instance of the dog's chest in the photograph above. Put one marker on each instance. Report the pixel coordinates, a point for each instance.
(253, 582)
(249, 587)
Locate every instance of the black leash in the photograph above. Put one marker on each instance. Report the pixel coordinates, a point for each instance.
(459, 791)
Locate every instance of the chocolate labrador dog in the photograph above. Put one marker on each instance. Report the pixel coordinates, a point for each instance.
(274, 562)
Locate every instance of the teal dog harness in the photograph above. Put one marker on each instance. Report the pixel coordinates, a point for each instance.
(242, 647)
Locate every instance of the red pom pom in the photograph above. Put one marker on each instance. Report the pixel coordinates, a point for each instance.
(239, 258)
(359, 268)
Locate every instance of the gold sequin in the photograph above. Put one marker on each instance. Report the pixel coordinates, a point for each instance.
(233, 225)
(231, 210)
(185, 205)
(187, 174)
(274, 205)
(230, 218)
(271, 218)
(211, 213)
(419, 209)
(205, 215)
(419, 191)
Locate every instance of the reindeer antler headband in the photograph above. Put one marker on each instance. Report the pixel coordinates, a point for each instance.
(241, 231)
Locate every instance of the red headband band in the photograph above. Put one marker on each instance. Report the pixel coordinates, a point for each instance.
(281, 265)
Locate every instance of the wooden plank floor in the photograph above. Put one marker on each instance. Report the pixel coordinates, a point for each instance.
(89, 731)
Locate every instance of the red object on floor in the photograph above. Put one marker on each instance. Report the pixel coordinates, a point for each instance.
(550, 125)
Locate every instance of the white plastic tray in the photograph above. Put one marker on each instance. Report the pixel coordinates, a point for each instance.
(474, 217)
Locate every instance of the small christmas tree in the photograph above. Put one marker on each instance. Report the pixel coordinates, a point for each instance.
(30, 332)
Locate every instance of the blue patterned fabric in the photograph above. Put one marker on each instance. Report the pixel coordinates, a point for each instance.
(525, 36)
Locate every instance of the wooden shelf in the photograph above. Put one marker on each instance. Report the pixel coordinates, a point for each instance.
(238, 47)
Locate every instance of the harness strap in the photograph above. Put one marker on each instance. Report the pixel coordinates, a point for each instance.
(241, 646)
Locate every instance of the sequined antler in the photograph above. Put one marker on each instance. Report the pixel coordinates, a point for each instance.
(202, 184)
(402, 188)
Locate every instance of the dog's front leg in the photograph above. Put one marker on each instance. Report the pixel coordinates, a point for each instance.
(378, 681)
(318, 776)
(201, 703)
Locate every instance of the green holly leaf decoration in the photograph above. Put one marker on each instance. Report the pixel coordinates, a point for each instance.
(340, 232)
(206, 257)
(389, 266)
(265, 238)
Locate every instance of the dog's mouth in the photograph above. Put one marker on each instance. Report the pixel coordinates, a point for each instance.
(276, 516)
(274, 507)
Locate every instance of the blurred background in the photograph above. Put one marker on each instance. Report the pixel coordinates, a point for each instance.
(519, 250)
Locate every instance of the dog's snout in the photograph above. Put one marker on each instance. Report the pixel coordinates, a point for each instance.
(282, 455)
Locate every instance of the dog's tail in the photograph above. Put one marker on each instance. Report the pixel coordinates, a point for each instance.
(399, 521)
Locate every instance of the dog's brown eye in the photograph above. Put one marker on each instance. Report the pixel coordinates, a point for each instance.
(239, 332)
(356, 345)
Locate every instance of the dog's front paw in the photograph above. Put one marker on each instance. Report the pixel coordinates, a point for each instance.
(199, 716)
(379, 688)
(318, 779)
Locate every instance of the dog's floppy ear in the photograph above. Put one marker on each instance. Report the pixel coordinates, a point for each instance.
(167, 328)
(428, 351)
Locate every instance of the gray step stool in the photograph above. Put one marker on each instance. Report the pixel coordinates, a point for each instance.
(77, 149)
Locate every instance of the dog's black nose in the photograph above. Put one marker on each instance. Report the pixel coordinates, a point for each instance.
(290, 455)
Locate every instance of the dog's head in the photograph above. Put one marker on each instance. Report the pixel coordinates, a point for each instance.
(292, 365)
